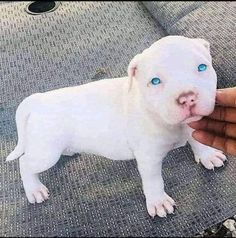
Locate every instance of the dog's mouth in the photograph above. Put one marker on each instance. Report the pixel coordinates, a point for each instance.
(191, 118)
(191, 115)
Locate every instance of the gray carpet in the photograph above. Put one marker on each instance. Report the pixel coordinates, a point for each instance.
(90, 195)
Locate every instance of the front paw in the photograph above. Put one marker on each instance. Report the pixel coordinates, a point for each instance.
(38, 195)
(211, 158)
(160, 206)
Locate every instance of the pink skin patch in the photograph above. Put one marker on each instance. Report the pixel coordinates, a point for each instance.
(187, 102)
(189, 114)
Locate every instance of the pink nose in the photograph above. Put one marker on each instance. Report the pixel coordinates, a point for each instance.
(187, 99)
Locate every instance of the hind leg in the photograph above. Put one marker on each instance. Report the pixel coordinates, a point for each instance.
(35, 191)
(30, 168)
(44, 142)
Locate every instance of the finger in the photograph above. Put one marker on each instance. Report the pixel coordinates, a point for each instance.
(226, 97)
(221, 128)
(224, 114)
(225, 144)
(199, 125)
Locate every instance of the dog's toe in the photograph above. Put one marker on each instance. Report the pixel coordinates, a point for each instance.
(214, 159)
(31, 198)
(39, 195)
(161, 207)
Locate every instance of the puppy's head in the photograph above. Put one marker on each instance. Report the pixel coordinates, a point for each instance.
(175, 78)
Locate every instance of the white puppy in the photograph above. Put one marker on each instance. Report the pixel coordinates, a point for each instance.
(141, 116)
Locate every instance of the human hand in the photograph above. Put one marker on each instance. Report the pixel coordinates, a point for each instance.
(218, 130)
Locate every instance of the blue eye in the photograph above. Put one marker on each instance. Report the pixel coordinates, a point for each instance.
(156, 81)
(202, 67)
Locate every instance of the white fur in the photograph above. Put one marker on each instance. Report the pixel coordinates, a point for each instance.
(123, 118)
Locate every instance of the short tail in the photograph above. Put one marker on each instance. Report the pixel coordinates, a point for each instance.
(22, 115)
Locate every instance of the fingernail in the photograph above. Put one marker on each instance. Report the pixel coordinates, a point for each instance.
(194, 133)
(192, 124)
(218, 93)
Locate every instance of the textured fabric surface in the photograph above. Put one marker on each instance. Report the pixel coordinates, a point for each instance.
(169, 12)
(215, 22)
(90, 195)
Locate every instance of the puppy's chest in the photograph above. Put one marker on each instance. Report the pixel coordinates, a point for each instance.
(177, 138)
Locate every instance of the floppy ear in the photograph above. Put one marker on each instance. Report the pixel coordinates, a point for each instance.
(203, 42)
(132, 70)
